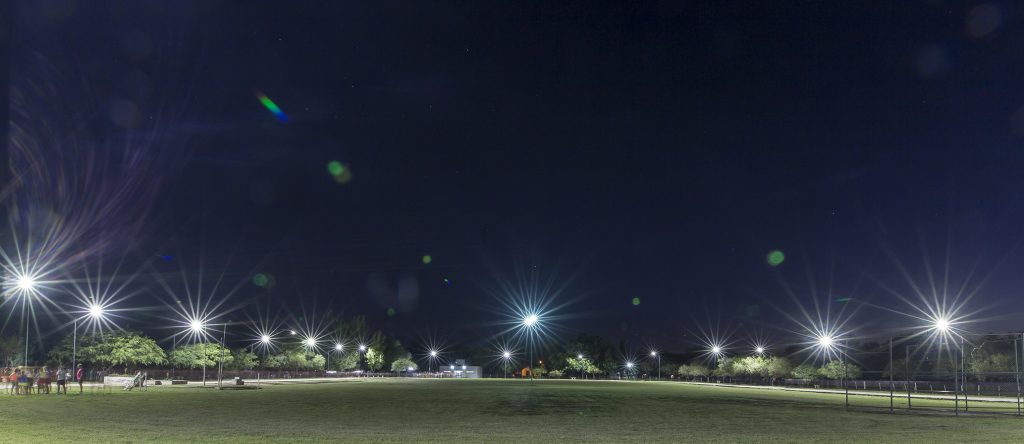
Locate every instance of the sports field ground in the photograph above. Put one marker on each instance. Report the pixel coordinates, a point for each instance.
(455, 411)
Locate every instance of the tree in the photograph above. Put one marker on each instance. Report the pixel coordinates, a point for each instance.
(805, 371)
(555, 374)
(403, 365)
(205, 354)
(242, 359)
(751, 366)
(108, 349)
(778, 367)
(277, 361)
(580, 365)
(990, 362)
(10, 351)
(348, 361)
(694, 370)
(374, 359)
(726, 367)
(132, 349)
(835, 370)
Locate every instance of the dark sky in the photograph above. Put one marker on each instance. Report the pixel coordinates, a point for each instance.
(657, 150)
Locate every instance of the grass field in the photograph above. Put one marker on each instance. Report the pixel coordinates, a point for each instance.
(399, 410)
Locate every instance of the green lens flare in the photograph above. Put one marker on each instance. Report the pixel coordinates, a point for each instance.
(775, 257)
(335, 168)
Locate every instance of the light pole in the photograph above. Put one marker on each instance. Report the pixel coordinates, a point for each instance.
(24, 286)
(505, 356)
(430, 361)
(530, 321)
(579, 357)
(338, 348)
(655, 354)
(198, 328)
(96, 313)
(629, 368)
(362, 351)
(265, 341)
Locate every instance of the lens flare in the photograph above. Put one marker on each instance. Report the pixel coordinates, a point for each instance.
(272, 107)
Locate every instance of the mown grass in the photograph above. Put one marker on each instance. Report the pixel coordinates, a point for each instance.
(397, 410)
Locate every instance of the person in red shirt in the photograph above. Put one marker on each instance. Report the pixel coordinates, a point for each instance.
(79, 376)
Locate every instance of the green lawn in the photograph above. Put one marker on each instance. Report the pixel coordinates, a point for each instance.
(395, 410)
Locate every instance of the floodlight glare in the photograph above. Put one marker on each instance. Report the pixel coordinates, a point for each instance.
(310, 342)
(629, 365)
(362, 347)
(716, 349)
(337, 347)
(433, 353)
(825, 341)
(654, 353)
(291, 332)
(506, 355)
(579, 356)
(942, 325)
(95, 311)
(196, 325)
(265, 339)
(26, 283)
(530, 320)
(759, 350)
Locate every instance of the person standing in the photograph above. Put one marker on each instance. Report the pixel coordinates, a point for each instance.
(79, 376)
(62, 379)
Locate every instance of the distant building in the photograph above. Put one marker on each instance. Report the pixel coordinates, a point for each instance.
(459, 369)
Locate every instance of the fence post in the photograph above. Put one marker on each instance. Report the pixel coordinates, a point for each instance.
(1016, 366)
(963, 371)
(906, 350)
(891, 406)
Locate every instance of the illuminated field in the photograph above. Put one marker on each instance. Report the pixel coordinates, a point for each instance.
(392, 410)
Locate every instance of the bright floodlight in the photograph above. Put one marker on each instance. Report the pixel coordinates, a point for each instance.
(759, 350)
(654, 353)
(506, 355)
(825, 341)
(291, 332)
(265, 339)
(433, 353)
(95, 311)
(310, 342)
(362, 347)
(579, 356)
(196, 325)
(530, 320)
(337, 347)
(26, 283)
(716, 349)
(629, 365)
(942, 325)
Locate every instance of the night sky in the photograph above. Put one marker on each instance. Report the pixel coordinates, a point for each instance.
(650, 150)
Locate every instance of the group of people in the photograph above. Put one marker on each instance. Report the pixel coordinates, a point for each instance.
(23, 380)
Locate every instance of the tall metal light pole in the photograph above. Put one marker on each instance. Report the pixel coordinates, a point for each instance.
(530, 321)
(655, 354)
(505, 356)
(96, 313)
(430, 361)
(362, 350)
(25, 286)
(198, 327)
